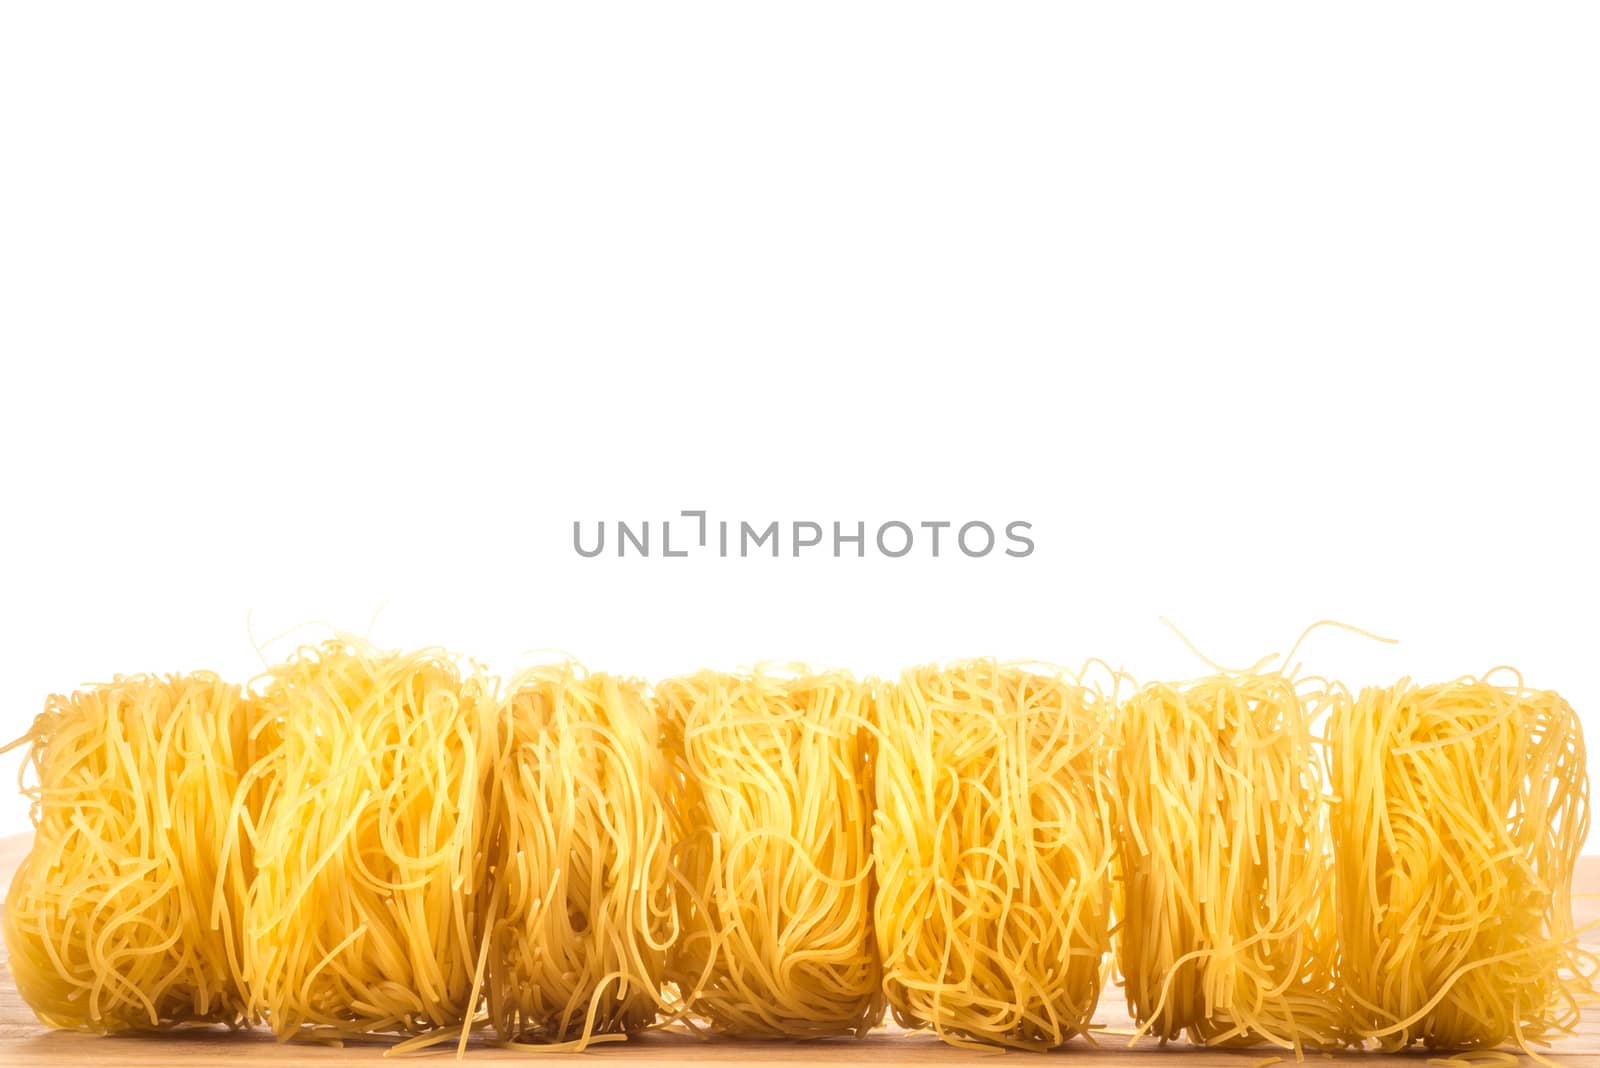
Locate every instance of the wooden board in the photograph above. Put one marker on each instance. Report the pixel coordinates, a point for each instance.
(25, 1042)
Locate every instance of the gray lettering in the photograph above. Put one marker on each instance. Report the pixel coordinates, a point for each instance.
(577, 541)
(893, 538)
(884, 549)
(666, 540)
(860, 538)
(624, 535)
(702, 517)
(746, 532)
(806, 543)
(988, 532)
(1011, 532)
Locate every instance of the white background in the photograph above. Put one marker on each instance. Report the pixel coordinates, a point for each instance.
(1260, 313)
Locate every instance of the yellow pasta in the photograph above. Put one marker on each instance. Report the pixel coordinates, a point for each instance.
(1460, 811)
(772, 817)
(1225, 887)
(376, 843)
(585, 908)
(368, 906)
(124, 916)
(993, 849)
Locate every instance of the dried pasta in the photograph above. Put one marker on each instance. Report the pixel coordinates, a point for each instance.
(125, 913)
(1224, 882)
(364, 842)
(585, 907)
(993, 848)
(367, 910)
(1460, 810)
(772, 818)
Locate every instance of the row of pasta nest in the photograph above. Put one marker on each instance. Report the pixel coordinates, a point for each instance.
(373, 843)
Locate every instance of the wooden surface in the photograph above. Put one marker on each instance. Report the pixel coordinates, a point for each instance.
(24, 1042)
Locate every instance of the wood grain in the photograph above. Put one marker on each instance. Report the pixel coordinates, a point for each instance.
(25, 1042)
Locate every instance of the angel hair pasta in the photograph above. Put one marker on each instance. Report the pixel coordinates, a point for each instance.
(375, 843)
(993, 849)
(773, 817)
(1460, 811)
(584, 907)
(1224, 881)
(367, 910)
(124, 916)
